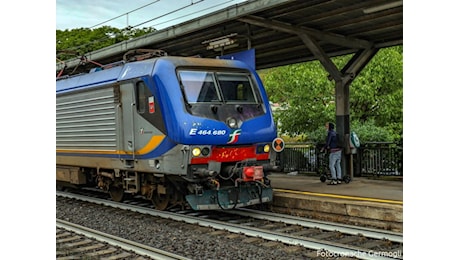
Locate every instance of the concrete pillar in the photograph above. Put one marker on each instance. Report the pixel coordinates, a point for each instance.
(342, 121)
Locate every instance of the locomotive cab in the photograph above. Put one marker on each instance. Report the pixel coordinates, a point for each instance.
(227, 110)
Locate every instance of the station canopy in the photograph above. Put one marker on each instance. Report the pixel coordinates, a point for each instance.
(273, 28)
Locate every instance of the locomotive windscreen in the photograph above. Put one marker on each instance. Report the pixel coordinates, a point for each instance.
(204, 86)
(236, 87)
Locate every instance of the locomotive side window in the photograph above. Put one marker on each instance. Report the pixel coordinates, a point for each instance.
(142, 95)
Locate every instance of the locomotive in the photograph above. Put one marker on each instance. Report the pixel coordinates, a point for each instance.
(188, 131)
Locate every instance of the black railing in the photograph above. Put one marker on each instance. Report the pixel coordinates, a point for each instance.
(299, 157)
(376, 158)
(380, 159)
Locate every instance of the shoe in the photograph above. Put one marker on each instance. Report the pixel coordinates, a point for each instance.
(338, 182)
(333, 182)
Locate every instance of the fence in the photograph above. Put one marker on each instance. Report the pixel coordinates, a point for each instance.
(376, 158)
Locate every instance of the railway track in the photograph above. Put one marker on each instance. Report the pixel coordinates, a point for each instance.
(78, 242)
(331, 239)
(328, 239)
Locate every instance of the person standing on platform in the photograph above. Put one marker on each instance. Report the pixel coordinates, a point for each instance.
(335, 154)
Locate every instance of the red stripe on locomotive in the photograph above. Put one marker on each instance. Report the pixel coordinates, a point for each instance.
(231, 154)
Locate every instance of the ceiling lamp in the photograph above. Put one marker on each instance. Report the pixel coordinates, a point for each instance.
(222, 43)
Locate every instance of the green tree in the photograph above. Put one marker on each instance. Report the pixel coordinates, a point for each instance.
(377, 93)
(307, 96)
(304, 92)
(76, 42)
(367, 132)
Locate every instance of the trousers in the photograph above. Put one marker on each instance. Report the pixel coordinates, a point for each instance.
(334, 165)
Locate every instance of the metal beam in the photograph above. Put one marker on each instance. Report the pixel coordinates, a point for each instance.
(333, 38)
(306, 35)
(321, 55)
(357, 63)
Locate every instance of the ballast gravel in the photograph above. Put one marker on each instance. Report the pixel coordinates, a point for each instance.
(192, 241)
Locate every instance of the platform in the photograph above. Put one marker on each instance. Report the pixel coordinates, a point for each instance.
(363, 201)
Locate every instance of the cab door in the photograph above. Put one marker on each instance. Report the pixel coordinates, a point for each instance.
(126, 130)
(141, 118)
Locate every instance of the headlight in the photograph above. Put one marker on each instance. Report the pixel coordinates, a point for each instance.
(266, 148)
(232, 123)
(263, 148)
(196, 151)
(205, 151)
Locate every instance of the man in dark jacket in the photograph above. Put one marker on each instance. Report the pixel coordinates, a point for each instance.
(335, 154)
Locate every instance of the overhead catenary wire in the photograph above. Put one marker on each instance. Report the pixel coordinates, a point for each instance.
(177, 18)
(192, 3)
(127, 13)
(168, 13)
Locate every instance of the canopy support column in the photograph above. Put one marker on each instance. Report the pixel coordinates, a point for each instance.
(343, 80)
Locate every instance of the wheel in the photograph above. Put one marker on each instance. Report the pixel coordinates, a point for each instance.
(116, 193)
(347, 179)
(323, 178)
(161, 201)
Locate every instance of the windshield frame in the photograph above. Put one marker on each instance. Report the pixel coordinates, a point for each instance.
(210, 85)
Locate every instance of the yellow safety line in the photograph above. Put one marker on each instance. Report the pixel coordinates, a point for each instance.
(340, 196)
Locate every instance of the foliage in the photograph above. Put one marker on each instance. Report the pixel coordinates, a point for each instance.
(76, 42)
(367, 132)
(370, 132)
(307, 96)
(377, 93)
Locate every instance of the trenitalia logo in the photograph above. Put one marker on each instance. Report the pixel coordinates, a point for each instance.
(233, 137)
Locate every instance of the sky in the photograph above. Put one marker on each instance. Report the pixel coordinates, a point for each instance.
(72, 14)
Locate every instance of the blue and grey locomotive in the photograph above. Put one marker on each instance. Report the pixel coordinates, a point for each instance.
(176, 130)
